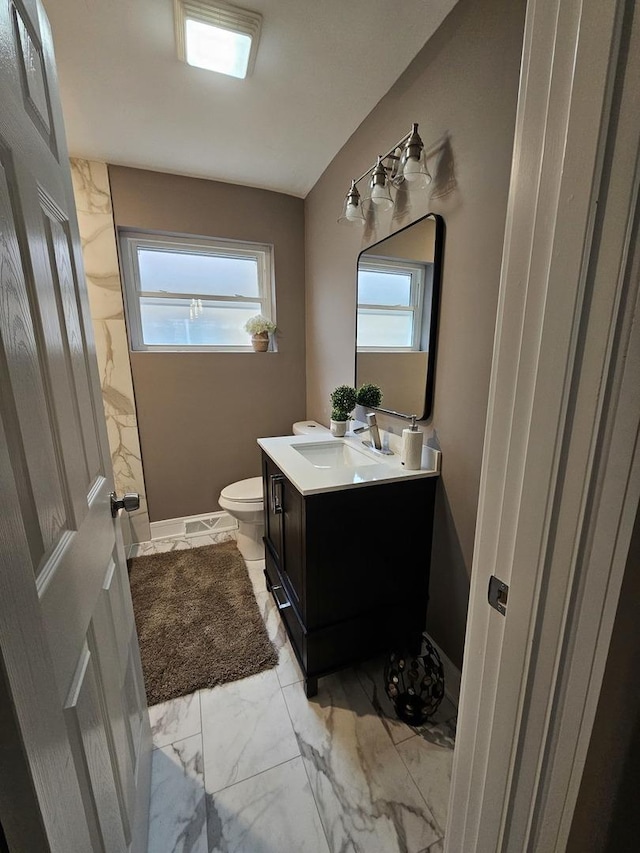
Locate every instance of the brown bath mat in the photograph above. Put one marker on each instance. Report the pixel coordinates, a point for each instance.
(197, 619)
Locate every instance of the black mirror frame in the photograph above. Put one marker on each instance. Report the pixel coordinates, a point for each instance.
(438, 258)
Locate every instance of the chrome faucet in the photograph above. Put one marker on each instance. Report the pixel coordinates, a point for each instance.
(374, 432)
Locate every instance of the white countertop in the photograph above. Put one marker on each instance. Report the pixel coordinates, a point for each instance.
(311, 480)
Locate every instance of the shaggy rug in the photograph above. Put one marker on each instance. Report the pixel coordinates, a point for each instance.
(197, 619)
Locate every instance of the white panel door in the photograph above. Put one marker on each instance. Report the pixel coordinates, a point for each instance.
(67, 635)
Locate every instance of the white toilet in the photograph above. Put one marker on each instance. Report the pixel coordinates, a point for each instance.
(243, 500)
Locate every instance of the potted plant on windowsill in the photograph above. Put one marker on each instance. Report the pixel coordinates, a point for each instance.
(259, 328)
(343, 401)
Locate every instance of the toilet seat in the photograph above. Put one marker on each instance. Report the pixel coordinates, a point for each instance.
(244, 491)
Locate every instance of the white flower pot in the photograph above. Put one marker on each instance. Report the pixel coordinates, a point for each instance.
(339, 428)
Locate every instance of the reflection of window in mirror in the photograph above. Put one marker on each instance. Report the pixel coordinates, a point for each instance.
(394, 305)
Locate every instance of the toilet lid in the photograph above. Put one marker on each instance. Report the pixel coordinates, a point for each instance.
(244, 491)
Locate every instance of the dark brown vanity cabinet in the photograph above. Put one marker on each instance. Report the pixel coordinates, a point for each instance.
(348, 569)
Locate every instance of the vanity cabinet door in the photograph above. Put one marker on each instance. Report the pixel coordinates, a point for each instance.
(368, 550)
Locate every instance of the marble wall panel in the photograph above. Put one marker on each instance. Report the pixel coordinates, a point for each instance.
(95, 220)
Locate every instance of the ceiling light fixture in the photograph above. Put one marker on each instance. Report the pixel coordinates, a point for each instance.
(406, 161)
(217, 36)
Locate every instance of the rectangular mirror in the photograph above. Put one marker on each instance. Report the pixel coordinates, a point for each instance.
(398, 295)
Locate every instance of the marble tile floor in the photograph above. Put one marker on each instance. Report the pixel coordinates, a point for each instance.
(255, 767)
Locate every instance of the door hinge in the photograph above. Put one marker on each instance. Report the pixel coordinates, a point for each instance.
(498, 594)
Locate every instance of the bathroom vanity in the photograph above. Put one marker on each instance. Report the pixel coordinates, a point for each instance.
(347, 548)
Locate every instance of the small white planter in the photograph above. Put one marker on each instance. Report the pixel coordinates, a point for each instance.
(339, 428)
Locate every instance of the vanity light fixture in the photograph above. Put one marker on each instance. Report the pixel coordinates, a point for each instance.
(217, 36)
(406, 161)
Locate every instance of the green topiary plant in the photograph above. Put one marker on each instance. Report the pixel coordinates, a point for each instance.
(343, 401)
(369, 395)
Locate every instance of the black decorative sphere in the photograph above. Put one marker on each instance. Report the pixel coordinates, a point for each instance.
(415, 685)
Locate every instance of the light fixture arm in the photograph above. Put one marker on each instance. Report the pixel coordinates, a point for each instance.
(390, 155)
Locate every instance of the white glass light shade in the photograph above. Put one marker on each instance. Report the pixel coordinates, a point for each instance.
(414, 170)
(354, 214)
(379, 193)
(381, 197)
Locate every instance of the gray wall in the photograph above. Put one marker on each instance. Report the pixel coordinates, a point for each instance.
(464, 84)
(200, 414)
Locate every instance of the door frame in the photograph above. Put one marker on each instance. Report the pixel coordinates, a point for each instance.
(560, 476)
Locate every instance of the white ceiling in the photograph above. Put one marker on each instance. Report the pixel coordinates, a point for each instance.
(322, 66)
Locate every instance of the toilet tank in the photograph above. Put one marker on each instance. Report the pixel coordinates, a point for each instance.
(308, 428)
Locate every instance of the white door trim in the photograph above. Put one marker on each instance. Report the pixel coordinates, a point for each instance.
(560, 479)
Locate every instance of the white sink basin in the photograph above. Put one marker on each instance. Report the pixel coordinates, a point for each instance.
(334, 454)
(315, 465)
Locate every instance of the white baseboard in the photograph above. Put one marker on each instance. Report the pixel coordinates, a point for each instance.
(452, 675)
(193, 525)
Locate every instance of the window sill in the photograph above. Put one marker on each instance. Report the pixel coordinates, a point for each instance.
(187, 350)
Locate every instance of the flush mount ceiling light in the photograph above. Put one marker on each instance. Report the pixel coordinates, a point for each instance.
(217, 36)
(405, 162)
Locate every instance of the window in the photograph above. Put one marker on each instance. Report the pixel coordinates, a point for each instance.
(390, 297)
(193, 293)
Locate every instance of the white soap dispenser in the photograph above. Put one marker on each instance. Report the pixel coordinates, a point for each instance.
(411, 456)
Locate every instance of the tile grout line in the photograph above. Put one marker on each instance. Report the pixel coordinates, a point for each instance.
(255, 775)
(382, 717)
(419, 790)
(304, 764)
(204, 777)
(183, 737)
(435, 823)
(174, 742)
(396, 744)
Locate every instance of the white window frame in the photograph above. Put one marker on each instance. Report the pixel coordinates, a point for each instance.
(416, 298)
(132, 241)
